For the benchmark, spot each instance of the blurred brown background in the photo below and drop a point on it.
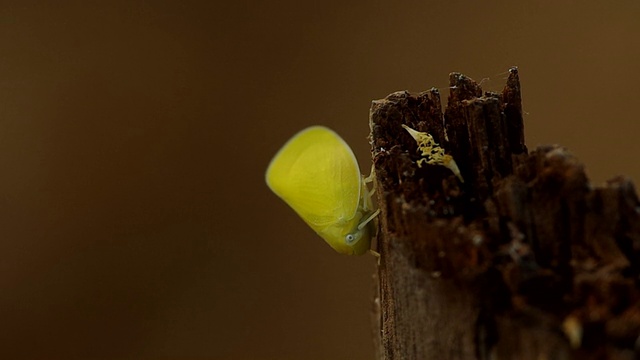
(134, 137)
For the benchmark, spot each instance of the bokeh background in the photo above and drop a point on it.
(134, 135)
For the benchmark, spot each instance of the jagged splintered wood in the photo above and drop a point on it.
(524, 260)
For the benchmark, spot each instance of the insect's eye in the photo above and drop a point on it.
(353, 238)
(350, 238)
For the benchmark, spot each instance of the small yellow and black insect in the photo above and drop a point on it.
(432, 153)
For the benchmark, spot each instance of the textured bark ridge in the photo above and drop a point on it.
(524, 260)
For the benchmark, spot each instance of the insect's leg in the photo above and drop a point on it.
(372, 173)
(367, 220)
(368, 194)
(374, 250)
(376, 254)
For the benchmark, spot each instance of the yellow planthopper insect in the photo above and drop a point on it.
(318, 176)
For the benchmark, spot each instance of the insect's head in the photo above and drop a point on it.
(353, 237)
(358, 238)
(347, 238)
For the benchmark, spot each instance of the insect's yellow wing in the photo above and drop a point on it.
(317, 174)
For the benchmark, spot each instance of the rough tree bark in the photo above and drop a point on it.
(524, 260)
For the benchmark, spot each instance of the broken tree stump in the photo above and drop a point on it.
(524, 260)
